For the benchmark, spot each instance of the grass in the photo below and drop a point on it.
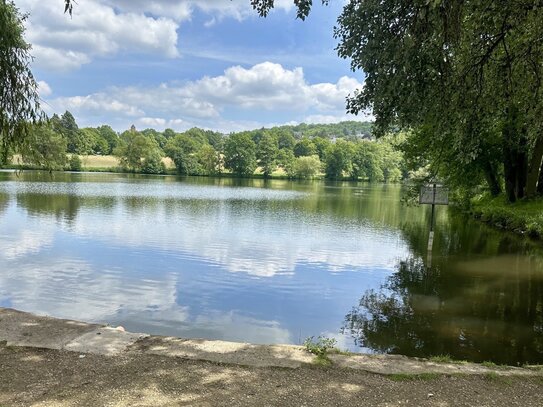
(495, 377)
(492, 365)
(405, 377)
(322, 361)
(446, 359)
(524, 216)
(110, 161)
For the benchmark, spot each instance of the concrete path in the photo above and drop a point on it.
(21, 329)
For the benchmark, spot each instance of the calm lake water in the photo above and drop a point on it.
(268, 262)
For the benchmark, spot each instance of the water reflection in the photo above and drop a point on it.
(482, 299)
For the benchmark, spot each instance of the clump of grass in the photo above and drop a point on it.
(320, 348)
(495, 377)
(404, 377)
(446, 359)
(492, 365)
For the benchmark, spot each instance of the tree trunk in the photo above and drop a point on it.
(540, 183)
(509, 171)
(522, 167)
(533, 178)
(491, 179)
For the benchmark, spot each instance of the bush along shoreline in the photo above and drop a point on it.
(524, 217)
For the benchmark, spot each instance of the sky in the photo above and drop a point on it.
(178, 64)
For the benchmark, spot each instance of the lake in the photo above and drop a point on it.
(268, 262)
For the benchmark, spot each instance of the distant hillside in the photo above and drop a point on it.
(347, 129)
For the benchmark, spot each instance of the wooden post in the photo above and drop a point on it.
(431, 236)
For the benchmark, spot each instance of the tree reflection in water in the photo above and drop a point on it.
(472, 307)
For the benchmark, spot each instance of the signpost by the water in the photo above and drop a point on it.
(433, 195)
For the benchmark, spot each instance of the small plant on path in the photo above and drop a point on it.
(320, 346)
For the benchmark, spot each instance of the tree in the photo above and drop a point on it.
(110, 136)
(19, 100)
(306, 167)
(464, 77)
(286, 159)
(367, 161)
(138, 153)
(321, 144)
(267, 153)
(338, 159)
(78, 141)
(240, 154)
(182, 150)
(304, 147)
(209, 160)
(46, 149)
(285, 139)
(98, 144)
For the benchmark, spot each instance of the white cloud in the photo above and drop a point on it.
(264, 87)
(183, 9)
(96, 30)
(102, 28)
(44, 89)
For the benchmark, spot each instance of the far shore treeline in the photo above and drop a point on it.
(343, 150)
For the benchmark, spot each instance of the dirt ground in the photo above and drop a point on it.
(42, 377)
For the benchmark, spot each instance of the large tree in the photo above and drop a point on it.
(240, 154)
(463, 76)
(19, 101)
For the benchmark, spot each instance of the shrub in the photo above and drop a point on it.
(75, 163)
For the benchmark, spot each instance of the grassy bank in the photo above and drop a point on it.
(523, 217)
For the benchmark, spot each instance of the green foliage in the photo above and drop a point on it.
(182, 150)
(138, 152)
(111, 137)
(267, 153)
(320, 346)
(321, 144)
(460, 72)
(306, 167)
(304, 147)
(75, 164)
(209, 160)
(285, 139)
(240, 154)
(78, 142)
(338, 159)
(47, 149)
(286, 159)
(152, 163)
(19, 99)
(524, 216)
(367, 162)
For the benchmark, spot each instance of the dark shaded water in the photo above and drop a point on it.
(268, 262)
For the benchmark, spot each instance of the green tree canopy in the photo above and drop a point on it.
(268, 149)
(19, 100)
(182, 150)
(240, 154)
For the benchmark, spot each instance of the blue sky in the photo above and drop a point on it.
(172, 63)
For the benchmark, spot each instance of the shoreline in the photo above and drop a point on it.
(26, 330)
(50, 362)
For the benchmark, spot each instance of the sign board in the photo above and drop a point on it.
(437, 195)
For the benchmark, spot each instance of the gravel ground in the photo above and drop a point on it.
(39, 377)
